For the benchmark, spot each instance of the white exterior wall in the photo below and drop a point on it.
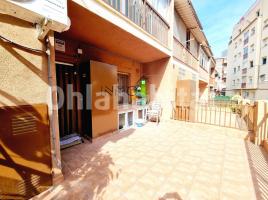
(220, 69)
(264, 48)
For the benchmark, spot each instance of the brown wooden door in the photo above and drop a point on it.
(185, 100)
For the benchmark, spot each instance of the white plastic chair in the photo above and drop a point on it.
(154, 111)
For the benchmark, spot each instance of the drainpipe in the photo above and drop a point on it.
(258, 48)
(55, 162)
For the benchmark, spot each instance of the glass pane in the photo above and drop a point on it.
(123, 86)
(140, 114)
(122, 121)
(130, 118)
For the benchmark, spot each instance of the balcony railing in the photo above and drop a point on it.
(184, 55)
(144, 15)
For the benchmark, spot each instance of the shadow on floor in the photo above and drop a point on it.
(171, 195)
(88, 169)
(258, 163)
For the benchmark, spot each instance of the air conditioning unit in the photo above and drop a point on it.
(35, 11)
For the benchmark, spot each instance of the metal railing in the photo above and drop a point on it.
(184, 55)
(228, 114)
(144, 15)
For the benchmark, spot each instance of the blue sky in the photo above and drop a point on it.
(218, 18)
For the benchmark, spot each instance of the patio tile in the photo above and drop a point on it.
(174, 160)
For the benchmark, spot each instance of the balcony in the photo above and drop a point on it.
(145, 16)
(184, 55)
(100, 25)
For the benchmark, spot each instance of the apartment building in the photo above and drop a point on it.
(247, 54)
(220, 76)
(119, 48)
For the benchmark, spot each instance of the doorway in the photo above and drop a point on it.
(74, 113)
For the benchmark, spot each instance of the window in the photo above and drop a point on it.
(238, 81)
(188, 38)
(233, 82)
(235, 45)
(246, 37)
(264, 60)
(252, 48)
(253, 30)
(162, 6)
(265, 42)
(258, 13)
(122, 121)
(123, 87)
(262, 77)
(246, 94)
(250, 80)
(182, 74)
(238, 68)
(251, 64)
(234, 70)
(245, 56)
(265, 24)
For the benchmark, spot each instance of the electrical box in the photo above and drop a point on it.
(25, 151)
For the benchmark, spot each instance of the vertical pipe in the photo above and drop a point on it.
(53, 115)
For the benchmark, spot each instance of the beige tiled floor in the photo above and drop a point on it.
(174, 160)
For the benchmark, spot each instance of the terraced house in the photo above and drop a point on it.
(131, 52)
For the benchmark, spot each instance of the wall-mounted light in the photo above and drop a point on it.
(80, 51)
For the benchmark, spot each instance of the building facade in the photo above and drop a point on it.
(192, 55)
(220, 76)
(247, 54)
(131, 53)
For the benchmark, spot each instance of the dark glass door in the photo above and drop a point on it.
(74, 114)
